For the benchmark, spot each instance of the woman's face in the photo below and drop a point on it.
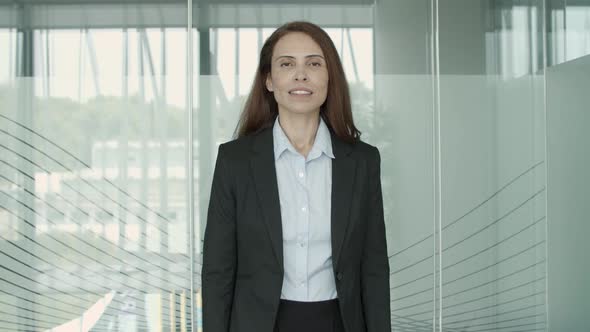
(298, 77)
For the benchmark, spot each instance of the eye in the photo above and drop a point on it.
(285, 64)
(316, 64)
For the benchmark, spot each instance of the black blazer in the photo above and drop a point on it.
(242, 271)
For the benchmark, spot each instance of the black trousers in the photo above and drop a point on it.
(322, 316)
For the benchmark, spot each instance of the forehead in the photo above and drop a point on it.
(296, 43)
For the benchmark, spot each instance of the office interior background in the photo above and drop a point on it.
(111, 113)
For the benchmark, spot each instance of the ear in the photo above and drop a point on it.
(268, 83)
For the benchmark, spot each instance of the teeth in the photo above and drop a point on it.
(299, 92)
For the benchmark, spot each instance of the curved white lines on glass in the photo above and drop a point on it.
(88, 319)
(414, 314)
(493, 162)
(92, 177)
(69, 232)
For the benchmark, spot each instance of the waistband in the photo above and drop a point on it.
(309, 305)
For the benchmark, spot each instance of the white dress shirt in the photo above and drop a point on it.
(305, 190)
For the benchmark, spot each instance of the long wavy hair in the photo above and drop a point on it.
(261, 108)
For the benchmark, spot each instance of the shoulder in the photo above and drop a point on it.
(370, 157)
(236, 149)
(366, 151)
(241, 148)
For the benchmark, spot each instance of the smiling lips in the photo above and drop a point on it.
(300, 92)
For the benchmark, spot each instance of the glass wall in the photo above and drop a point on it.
(478, 107)
(404, 132)
(568, 161)
(93, 198)
(493, 166)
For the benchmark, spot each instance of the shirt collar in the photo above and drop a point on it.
(321, 144)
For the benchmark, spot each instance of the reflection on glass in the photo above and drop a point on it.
(568, 30)
(578, 31)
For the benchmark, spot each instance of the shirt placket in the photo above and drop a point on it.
(302, 225)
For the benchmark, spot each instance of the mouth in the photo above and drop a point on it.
(300, 92)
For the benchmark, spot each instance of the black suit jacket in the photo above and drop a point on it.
(242, 271)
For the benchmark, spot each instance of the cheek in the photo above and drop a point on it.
(277, 79)
(323, 80)
(323, 90)
(279, 83)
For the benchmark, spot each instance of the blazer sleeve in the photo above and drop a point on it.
(375, 262)
(219, 250)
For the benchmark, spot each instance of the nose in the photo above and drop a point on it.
(301, 75)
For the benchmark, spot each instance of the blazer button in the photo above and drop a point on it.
(339, 276)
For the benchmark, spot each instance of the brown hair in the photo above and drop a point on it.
(261, 107)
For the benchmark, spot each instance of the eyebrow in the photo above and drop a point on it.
(307, 56)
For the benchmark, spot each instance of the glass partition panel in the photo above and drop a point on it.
(493, 165)
(404, 134)
(568, 161)
(92, 168)
(228, 56)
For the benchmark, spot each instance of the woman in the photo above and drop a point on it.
(295, 236)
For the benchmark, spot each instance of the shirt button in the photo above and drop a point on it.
(300, 174)
(302, 244)
(304, 209)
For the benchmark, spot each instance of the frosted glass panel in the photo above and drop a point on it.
(568, 163)
(404, 99)
(405, 140)
(493, 167)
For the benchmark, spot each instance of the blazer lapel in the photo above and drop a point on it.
(262, 165)
(343, 174)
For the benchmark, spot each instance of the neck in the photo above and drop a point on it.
(301, 129)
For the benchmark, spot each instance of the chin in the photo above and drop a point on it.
(302, 110)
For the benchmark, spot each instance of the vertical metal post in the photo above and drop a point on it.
(437, 167)
(25, 84)
(190, 169)
(163, 147)
(123, 144)
(546, 14)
